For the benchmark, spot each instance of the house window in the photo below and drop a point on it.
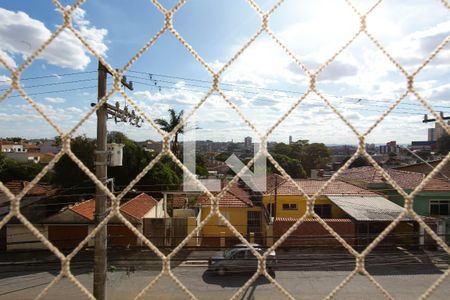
(439, 207)
(323, 210)
(289, 206)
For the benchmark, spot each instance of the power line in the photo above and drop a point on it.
(153, 84)
(56, 91)
(155, 80)
(53, 76)
(255, 87)
(55, 83)
(404, 110)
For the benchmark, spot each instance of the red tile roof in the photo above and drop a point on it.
(139, 206)
(235, 197)
(425, 168)
(310, 187)
(32, 147)
(272, 181)
(85, 209)
(437, 185)
(16, 186)
(136, 207)
(406, 180)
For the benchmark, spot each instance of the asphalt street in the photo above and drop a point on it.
(304, 275)
(301, 284)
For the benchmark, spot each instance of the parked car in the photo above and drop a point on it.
(239, 258)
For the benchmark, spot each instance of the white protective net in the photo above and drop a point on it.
(363, 29)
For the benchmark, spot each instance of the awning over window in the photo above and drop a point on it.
(368, 208)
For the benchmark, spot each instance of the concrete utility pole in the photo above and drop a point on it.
(101, 171)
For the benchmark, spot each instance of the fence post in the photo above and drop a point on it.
(222, 239)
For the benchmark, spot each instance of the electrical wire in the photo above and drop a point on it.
(153, 83)
(55, 83)
(53, 76)
(56, 91)
(252, 87)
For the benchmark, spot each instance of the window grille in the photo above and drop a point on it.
(290, 206)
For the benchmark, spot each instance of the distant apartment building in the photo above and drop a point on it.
(431, 135)
(436, 133)
(390, 147)
(423, 145)
(248, 142)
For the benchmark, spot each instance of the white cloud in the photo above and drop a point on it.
(22, 35)
(55, 99)
(74, 110)
(7, 59)
(415, 47)
(4, 80)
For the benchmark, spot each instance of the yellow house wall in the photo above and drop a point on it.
(236, 216)
(336, 212)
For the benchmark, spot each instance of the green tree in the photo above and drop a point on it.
(443, 144)
(282, 148)
(19, 170)
(315, 156)
(292, 166)
(58, 141)
(134, 160)
(67, 173)
(169, 125)
(223, 156)
(200, 165)
(310, 156)
(15, 139)
(359, 162)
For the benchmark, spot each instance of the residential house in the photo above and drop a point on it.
(8, 147)
(426, 168)
(70, 226)
(432, 201)
(32, 207)
(357, 214)
(32, 147)
(236, 206)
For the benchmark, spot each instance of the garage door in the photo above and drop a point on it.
(66, 236)
(121, 236)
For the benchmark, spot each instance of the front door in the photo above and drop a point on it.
(254, 225)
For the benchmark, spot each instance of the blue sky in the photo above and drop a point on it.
(263, 82)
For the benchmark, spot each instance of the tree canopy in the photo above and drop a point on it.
(360, 161)
(19, 170)
(299, 158)
(443, 145)
(171, 124)
(135, 159)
